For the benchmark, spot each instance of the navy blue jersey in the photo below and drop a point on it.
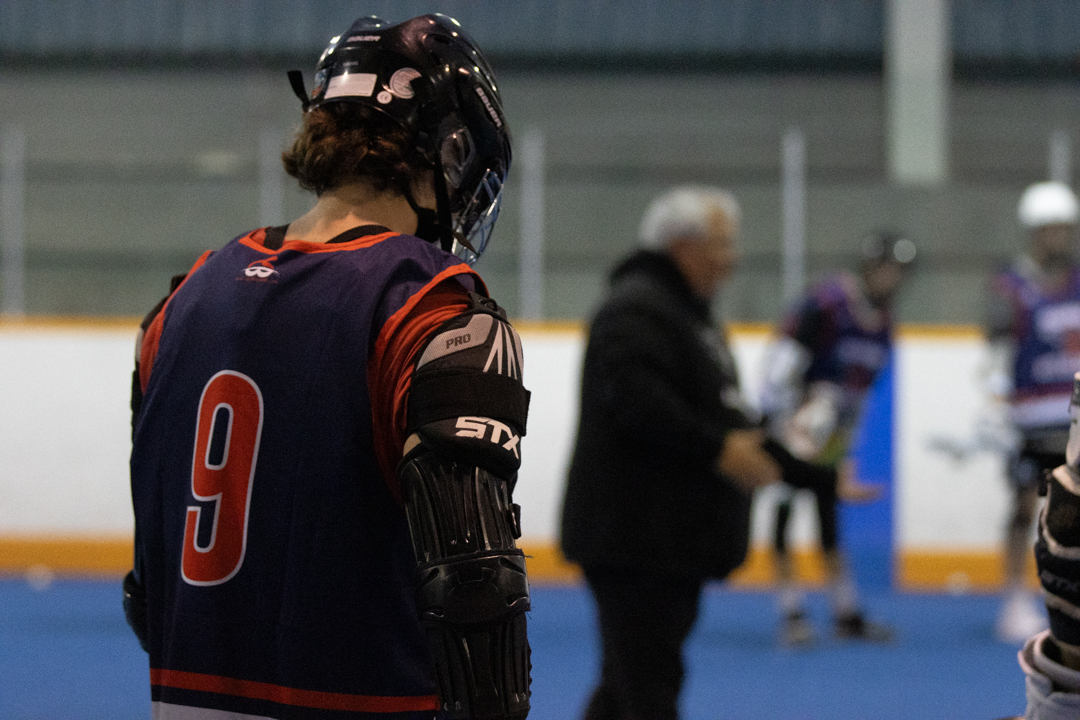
(1045, 327)
(275, 556)
(849, 341)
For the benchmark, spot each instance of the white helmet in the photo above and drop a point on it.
(1048, 203)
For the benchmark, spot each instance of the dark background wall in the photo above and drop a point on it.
(142, 122)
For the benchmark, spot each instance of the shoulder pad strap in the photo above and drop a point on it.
(448, 395)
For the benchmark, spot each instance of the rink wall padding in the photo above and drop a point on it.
(65, 441)
(70, 556)
(915, 569)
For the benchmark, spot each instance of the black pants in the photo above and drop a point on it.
(828, 524)
(826, 502)
(644, 620)
(819, 479)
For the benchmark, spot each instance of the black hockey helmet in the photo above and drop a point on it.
(430, 77)
(887, 247)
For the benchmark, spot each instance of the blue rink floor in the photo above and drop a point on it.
(66, 654)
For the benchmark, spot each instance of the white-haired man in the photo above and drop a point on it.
(1034, 333)
(666, 459)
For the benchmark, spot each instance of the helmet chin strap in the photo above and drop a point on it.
(442, 207)
(427, 224)
(437, 225)
(296, 80)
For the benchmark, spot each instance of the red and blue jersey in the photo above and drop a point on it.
(849, 340)
(1043, 324)
(270, 539)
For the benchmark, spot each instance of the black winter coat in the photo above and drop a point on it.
(658, 395)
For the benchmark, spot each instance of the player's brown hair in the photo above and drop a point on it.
(343, 142)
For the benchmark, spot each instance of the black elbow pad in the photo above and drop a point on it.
(467, 401)
(468, 407)
(472, 591)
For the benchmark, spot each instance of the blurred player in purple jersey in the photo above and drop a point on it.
(832, 347)
(1034, 333)
(327, 419)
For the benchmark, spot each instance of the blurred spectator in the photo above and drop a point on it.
(667, 456)
(1034, 333)
(832, 347)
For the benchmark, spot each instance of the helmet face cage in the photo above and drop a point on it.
(426, 74)
(474, 224)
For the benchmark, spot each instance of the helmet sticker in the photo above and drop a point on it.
(401, 83)
(351, 84)
(491, 111)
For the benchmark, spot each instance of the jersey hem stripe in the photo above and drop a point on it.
(315, 699)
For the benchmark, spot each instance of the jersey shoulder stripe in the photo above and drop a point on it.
(393, 323)
(152, 338)
(254, 240)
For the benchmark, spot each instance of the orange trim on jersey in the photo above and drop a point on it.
(391, 363)
(316, 699)
(395, 320)
(255, 239)
(152, 337)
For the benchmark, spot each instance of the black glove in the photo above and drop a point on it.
(798, 473)
(135, 607)
(1057, 553)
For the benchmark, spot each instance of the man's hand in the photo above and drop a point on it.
(744, 462)
(849, 489)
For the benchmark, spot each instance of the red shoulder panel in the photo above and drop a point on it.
(391, 363)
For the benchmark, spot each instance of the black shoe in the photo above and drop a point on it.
(605, 705)
(796, 630)
(853, 626)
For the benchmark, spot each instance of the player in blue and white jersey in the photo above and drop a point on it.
(1034, 333)
(327, 419)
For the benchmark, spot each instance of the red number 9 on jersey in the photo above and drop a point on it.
(226, 449)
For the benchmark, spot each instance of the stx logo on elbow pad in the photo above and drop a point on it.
(476, 427)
